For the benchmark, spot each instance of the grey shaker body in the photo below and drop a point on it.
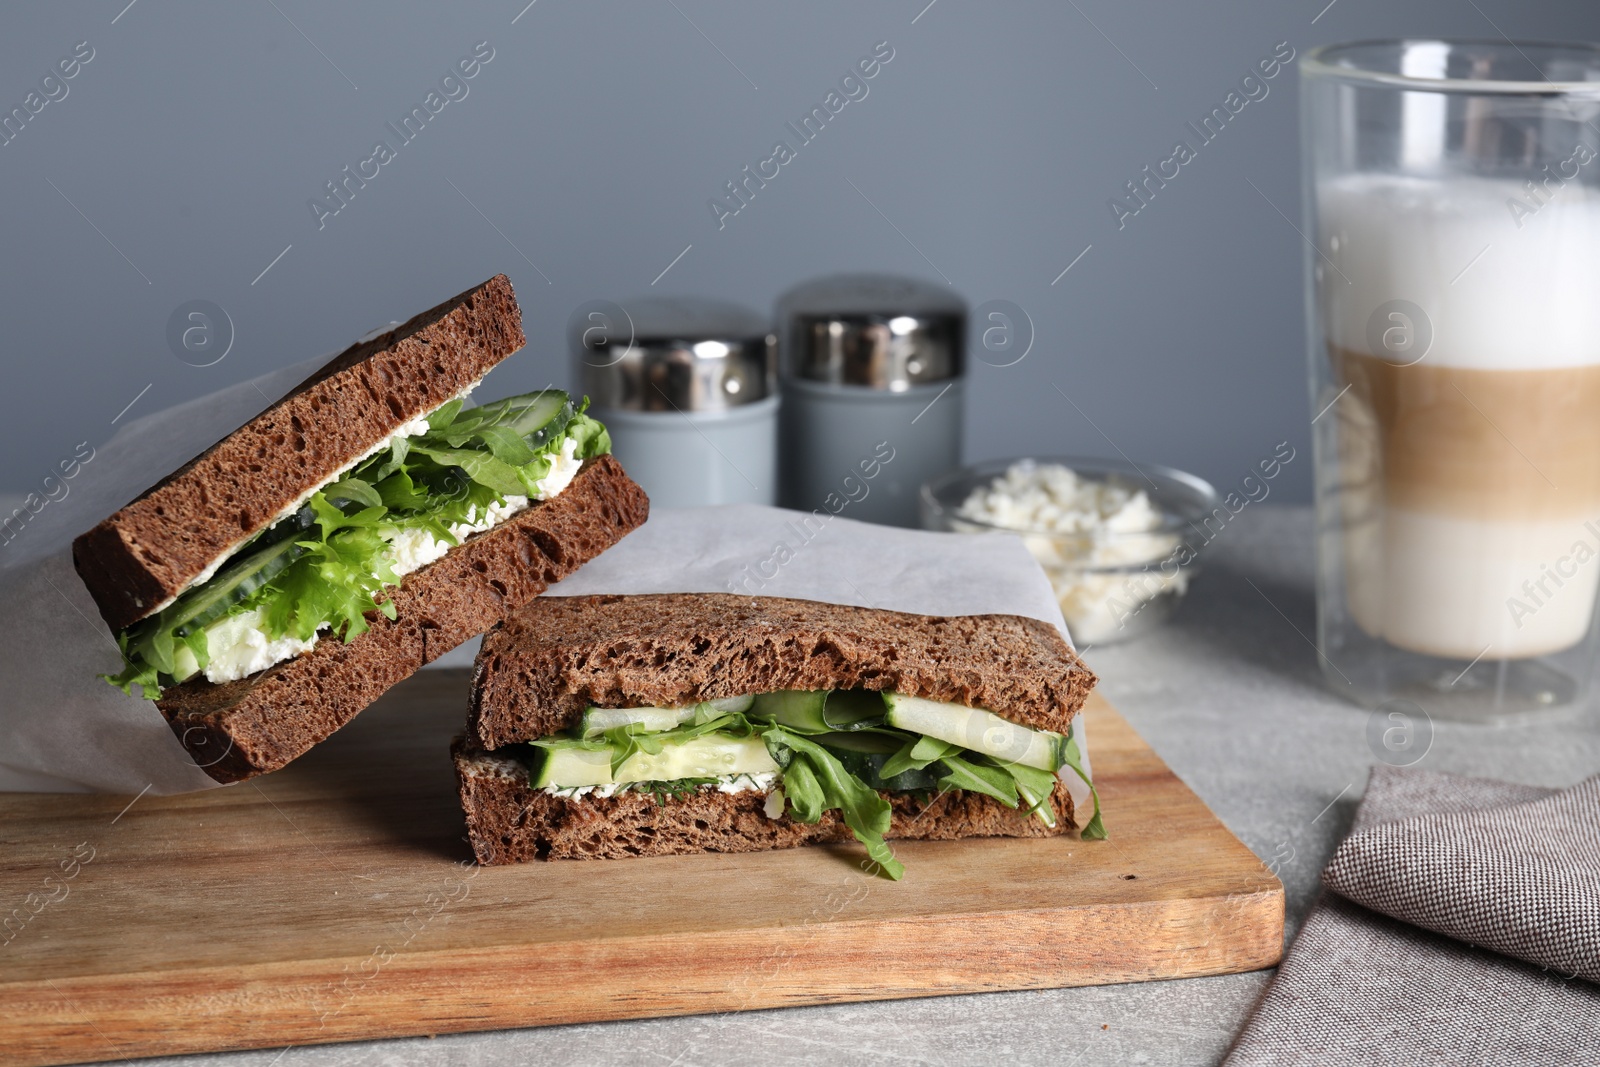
(867, 448)
(690, 459)
(688, 389)
(872, 373)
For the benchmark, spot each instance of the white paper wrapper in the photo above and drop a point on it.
(63, 729)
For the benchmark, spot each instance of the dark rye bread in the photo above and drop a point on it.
(538, 670)
(149, 551)
(236, 730)
(509, 821)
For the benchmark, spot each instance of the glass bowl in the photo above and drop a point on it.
(1112, 584)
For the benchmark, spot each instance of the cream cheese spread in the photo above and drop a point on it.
(238, 647)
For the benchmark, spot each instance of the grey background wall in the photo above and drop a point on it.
(180, 162)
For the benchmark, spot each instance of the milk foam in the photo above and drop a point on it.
(1529, 301)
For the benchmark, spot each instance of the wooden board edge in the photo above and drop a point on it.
(445, 991)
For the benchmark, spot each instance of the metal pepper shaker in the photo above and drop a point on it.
(872, 380)
(688, 389)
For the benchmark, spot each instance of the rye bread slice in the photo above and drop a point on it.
(509, 821)
(539, 669)
(236, 730)
(146, 554)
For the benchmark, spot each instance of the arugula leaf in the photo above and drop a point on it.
(637, 737)
(806, 798)
(398, 492)
(161, 651)
(506, 445)
(865, 810)
(630, 739)
(917, 753)
(392, 461)
(1094, 829)
(1034, 787)
(481, 467)
(352, 489)
(979, 778)
(441, 419)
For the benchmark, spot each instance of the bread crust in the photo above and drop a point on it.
(150, 550)
(509, 821)
(236, 730)
(539, 669)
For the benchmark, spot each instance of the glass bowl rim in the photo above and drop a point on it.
(1093, 468)
(1318, 63)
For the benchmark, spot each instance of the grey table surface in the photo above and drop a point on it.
(1229, 693)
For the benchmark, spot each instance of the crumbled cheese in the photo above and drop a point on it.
(564, 466)
(730, 783)
(415, 428)
(237, 647)
(414, 548)
(774, 805)
(1093, 539)
(738, 783)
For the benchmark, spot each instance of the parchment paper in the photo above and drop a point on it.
(63, 729)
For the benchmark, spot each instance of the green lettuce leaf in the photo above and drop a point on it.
(468, 460)
(593, 438)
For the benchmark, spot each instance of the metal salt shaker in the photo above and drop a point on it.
(872, 380)
(688, 390)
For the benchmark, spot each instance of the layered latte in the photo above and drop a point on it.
(1465, 352)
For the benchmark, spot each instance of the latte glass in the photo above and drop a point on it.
(1452, 210)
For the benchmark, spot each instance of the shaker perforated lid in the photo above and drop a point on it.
(673, 354)
(874, 330)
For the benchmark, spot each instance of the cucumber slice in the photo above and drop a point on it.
(853, 709)
(539, 418)
(860, 741)
(813, 710)
(710, 756)
(798, 709)
(1042, 811)
(977, 730)
(599, 720)
(863, 754)
(184, 664)
(542, 416)
(213, 599)
(566, 768)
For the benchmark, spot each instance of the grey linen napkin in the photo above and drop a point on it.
(1509, 867)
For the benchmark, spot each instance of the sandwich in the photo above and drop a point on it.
(615, 726)
(360, 527)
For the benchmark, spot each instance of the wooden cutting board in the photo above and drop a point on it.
(336, 900)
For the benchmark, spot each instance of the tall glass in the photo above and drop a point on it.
(1452, 189)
